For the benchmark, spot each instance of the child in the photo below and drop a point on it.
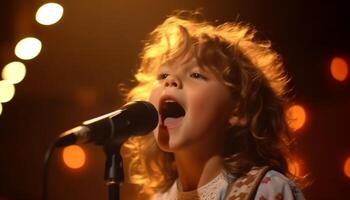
(222, 132)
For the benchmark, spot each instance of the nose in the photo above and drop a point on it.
(172, 81)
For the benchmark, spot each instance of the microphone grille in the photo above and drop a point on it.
(143, 117)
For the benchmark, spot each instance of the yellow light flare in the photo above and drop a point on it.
(28, 48)
(7, 91)
(0, 108)
(74, 156)
(296, 117)
(347, 167)
(339, 69)
(14, 72)
(294, 168)
(49, 13)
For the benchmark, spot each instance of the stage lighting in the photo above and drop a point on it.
(294, 167)
(339, 69)
(347, 167)
(49, 13)
(296, 117)
(74, 156)
(7, 91)
(28, 48)
(14, 72)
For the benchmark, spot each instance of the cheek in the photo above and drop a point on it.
(212, 107)
(155, 95)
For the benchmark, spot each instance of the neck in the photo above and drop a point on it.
(197, 169)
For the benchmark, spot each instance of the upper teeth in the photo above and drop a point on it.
(169, 101)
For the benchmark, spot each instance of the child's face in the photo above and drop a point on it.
(194, 106)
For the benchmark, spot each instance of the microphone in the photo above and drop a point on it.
(135, 118)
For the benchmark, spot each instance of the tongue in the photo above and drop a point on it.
(171, 122)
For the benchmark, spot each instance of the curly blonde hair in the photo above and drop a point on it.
(249, 67)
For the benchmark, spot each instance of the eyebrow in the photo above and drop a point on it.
(186, 67)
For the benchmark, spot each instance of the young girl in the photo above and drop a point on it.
(222, 131)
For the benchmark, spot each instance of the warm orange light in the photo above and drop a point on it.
(86, 96)
(347, 167)
(296, 117)
(74, 156)
(339, 69)
(294, 168)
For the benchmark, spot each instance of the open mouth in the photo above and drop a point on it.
(170, 110)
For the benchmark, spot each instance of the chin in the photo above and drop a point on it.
(165, 148)
(162, 140)
(166, 144)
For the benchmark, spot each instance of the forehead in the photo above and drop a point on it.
(182, 63)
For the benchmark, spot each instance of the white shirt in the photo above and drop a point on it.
(274, 185)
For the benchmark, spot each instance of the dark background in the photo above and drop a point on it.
(94, 48)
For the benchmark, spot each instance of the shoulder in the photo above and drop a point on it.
(275, 185)
(170, 194)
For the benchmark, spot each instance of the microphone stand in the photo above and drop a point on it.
(114, 174)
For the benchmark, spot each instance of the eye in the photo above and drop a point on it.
(197, 75)
(162, 76)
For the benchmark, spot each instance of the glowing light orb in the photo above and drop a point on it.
(0, 108)
(339, 69)
(49, 13)
(294, 168)
(296, 117)
(7, 91)
(74, 156)
(14, 72)
(28, 48)
(347, 167)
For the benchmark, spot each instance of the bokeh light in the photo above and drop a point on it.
(7, 91)
(86, 96)
(14, 72)
(294, 167)
(339, 69)
(28, 48)
(347, 167)
(49, 13)
(74, 156)
(296, 117)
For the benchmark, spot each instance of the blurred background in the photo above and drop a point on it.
(56, 76)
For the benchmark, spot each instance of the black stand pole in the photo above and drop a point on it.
(114, 175)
